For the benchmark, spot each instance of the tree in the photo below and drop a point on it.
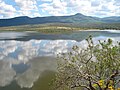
(96, 67)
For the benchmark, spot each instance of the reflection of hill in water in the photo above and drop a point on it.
(75, 35)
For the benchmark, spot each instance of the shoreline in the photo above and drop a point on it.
(108, 30)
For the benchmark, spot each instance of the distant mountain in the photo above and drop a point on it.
(76, 19)
(113, 19)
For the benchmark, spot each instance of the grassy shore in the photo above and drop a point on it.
(43, 28)
(50, 28)
(46, 28)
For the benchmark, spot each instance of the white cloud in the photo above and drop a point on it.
(95, 3)
(22, 8)
(117, 2)
(27, 7)
(56, 8)
(7, 7)
(1, 1)
(35, 8)
(88, 7)
(26, 4)
(6, 10)
(99, 8)
(45, 0)
(71, 3)
(36, 14)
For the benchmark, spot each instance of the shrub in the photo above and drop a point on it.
(96, 67)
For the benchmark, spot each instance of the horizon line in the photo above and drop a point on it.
(59, 16)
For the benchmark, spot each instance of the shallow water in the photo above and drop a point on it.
(28, 59)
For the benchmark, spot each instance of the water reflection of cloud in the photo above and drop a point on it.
(37, 67)
(16, 52)
(23, 51)
(6, 73)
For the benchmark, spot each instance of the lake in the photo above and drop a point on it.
(28, 59)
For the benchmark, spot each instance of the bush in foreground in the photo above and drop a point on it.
(96, 67)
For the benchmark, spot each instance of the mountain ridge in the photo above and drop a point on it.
(76, 19)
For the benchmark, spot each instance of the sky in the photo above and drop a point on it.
(41, 8)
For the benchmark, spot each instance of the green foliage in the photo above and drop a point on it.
(96, 67)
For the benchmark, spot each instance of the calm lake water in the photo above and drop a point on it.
(28, 59)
